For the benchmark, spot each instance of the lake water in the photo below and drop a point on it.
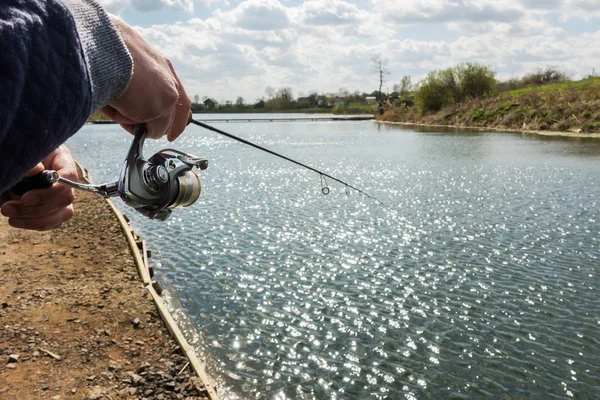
(479, 279)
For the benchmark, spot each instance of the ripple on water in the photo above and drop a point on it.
(479, 281)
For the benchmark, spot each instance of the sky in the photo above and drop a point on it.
(228, 49)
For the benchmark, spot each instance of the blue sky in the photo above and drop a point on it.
(226, 49)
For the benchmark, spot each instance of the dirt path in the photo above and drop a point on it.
(76, 321)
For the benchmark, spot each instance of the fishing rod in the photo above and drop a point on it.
(324, 188)
(155, 186)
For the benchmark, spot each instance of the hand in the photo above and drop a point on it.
(155, 95)
(45, 209)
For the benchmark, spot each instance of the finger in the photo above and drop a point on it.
(182, 113)
(9, 195)
(112, 113)
(36, 170)
(28, 210)
(48, 222)
(162, 125)
(56, 196)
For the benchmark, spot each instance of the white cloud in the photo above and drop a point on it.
(442, 11)
(329, 12)
(262, 15)
(118, 6)
(323, 45)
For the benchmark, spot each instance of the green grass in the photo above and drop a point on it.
(568, 106)
(585, 84)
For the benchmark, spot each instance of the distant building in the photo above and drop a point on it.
(370, 99)
(211, 104)
(335, 99)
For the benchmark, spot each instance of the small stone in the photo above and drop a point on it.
(74, 390)
(91, 377)
(136, 323)
(57, 397)
(13, 358)
(11, 366)
(113, 366)
(135, 378)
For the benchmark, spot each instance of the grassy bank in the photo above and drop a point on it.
(565, 107)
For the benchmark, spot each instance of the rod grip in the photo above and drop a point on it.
(39, 181)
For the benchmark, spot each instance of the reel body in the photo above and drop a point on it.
(161, 183)
(154, 186)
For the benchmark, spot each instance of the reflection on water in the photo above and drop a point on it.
(479, 280)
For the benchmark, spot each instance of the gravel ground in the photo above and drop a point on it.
(76, 321)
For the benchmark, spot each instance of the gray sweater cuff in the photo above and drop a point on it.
(109, 63)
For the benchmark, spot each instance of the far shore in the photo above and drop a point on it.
(461, 127)
(495, 129)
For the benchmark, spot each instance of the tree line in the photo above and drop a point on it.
(435, 91)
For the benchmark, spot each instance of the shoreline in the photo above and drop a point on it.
(495, 129)
(81, 319)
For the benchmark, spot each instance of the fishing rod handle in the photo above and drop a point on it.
(40, 181)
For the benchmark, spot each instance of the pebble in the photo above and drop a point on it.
(135, 378)
(13, 358)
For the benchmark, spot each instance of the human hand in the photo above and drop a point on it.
(44, 209)
(155, 95)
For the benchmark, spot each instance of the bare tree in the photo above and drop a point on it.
(270, 92)
(379, 66)
(196, 99)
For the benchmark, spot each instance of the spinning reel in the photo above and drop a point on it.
(154, 187)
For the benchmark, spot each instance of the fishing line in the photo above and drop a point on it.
(323, 175)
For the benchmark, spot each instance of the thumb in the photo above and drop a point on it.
(36, 170)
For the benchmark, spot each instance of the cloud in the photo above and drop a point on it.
(242, 47)
(443, 11)
(261, 15)
(329, 12)
(118, 6)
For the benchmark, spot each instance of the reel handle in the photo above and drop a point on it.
(39, 181)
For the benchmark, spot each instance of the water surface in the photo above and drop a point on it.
(480, 279)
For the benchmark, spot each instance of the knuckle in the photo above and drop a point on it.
(69, 213)
(69, 197)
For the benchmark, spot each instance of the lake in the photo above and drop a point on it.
(479, 278)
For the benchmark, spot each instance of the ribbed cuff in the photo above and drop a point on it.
(109, 63)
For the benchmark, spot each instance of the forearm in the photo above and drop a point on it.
(59, 61)
(45, 87)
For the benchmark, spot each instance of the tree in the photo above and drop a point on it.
(379, 66)
(239, 101)
(196, 99)
(405, 88)
(270, 92)
(283, 99)
(454, 85)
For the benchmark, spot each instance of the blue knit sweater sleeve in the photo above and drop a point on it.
(51, 77)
